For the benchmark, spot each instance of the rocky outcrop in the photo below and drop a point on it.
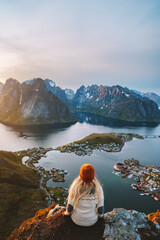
(119, 224)
(155, 218)
(69, 93)
(115, 102)
(31, 103)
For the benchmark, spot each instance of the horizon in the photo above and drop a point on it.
(82, 43)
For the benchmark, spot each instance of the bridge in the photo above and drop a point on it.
(151, 136)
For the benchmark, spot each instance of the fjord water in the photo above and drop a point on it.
(118, 192)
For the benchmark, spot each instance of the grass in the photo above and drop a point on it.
(101, 138)
(20, 196)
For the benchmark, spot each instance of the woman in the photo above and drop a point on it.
(85, 199)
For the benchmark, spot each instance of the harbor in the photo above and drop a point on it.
(147, 177)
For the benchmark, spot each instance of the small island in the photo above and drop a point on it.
(108, 142)
(148, 177)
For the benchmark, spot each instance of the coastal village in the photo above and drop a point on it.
(30, 158)
(109, 142)
(147, 177)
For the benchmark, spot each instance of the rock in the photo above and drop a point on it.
(119, 224)
(106, 230)
(52, 224)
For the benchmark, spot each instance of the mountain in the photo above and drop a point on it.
(65, 95)
(150, 95)
(116, 102)
(38, 101)
(31, 103)
(1, 86)
(51, 86)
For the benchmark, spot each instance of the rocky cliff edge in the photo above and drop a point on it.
(119, 224)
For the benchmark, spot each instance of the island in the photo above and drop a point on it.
(108, 142)
(147, 177)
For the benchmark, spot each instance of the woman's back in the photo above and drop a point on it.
(85, 213)
(85, 200)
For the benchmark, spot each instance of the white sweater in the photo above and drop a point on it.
(87, 210)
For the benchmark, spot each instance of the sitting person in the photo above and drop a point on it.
(85, 199)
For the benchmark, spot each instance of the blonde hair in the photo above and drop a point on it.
(80, 189)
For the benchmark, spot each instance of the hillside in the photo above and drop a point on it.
(32, 104)
(20, 196)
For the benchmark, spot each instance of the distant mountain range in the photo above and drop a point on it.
(40, 101)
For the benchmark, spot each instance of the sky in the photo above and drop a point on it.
(86, 42)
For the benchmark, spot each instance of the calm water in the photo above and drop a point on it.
(118, 192)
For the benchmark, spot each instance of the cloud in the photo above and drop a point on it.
(81, 42)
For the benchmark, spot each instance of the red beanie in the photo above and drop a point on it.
(87, 173)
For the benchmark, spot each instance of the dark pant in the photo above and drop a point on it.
(70, 231)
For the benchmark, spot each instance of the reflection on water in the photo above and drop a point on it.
(111, 122)
(23, 137)
(118, 192)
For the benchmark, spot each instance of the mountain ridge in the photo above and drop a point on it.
(114, 102)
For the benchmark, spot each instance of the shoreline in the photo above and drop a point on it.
(83, 147)
(147, 176)
(57, 175)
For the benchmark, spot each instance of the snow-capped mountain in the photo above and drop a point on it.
(116, 102)
(69, 93)
(41, 101)
(153, 96)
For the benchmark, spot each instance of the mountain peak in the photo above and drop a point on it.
(50, 82)
(11, 81)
